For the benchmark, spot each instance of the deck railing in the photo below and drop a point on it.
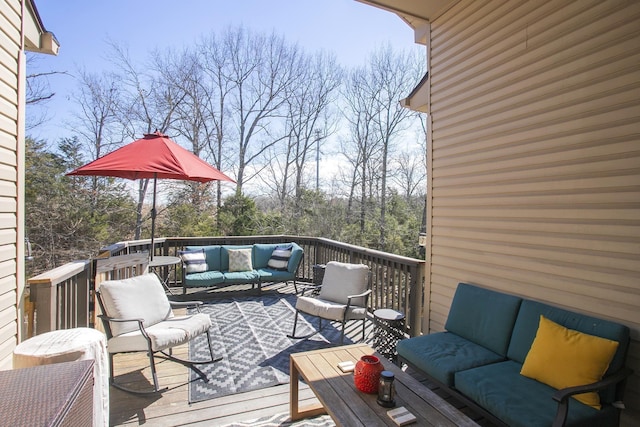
(63, 297)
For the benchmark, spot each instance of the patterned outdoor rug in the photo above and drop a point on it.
(281, 420)
(250, 334)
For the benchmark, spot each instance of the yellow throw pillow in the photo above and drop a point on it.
(561, 357)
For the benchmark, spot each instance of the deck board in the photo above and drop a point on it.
(171, 408)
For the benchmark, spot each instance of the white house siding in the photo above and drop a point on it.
(536, 157)
(10, 57)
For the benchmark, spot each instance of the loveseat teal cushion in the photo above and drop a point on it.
(522, 402)
(212, 254)
(526, 326)
(442, 354)
(483, 316)
(528, 320)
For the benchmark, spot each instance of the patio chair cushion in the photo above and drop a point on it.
(328, 309)
(122, 301)
(562, 357)
(352, 280)
(166, 334)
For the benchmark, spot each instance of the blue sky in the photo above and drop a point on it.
(347, 28)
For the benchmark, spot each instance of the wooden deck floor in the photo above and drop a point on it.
(171, 408)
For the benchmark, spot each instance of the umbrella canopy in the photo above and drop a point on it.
(154, 156)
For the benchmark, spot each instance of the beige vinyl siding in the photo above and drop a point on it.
(535, 177)
(9, 60)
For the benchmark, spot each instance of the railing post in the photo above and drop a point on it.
(82, 289)
(44, 296)
(416, 298)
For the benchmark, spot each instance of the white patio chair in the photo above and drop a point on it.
(343, 297)
(138, 316)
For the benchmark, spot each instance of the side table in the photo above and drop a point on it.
(388, 330)
(158, 263)
(318, 273)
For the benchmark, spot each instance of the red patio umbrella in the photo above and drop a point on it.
(154, 156)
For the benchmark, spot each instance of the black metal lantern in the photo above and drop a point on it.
(386, 390)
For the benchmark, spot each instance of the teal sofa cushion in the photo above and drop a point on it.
(204, 279)
(526, 327)
(522, 402)
(212, 254)
(224, 255)
(528, 319)
(483, 316)
(269, 275)
(442, 354)
(241, 277)
(262, 253)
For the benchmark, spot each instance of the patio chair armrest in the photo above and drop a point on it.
(313, 288)
(113, 319)
(364, 294)
(562, 396)
(186, 304)
(178, 304)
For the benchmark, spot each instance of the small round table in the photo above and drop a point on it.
(388, 330)
(159, 262)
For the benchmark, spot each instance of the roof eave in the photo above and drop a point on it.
(36, 37)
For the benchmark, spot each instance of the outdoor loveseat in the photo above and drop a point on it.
(513, 358)
(221, 265)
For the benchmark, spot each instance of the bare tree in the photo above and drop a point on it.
(260, 68)
(393, 76)
(95, 121)
(376, 120)
(361, 108)
(215, 60)
(309, 119)
(410, 173)
(184, 72)
(148, 102)
(38, 92)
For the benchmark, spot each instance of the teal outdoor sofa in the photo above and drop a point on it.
(489, 336)
(264, 266)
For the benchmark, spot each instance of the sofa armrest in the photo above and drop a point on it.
(562, 396)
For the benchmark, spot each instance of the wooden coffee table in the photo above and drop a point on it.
(350, 407)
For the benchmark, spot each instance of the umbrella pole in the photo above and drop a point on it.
(153, 215)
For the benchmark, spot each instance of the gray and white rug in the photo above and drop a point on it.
(250, 334)
(282, 420)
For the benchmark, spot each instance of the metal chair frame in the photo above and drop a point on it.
(106, 322)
